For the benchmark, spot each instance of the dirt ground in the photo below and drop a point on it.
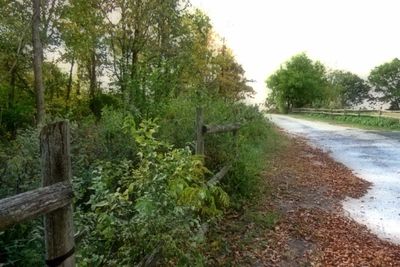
(298, 220)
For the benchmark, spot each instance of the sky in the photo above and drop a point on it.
(352, 35)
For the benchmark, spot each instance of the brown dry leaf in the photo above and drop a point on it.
(307, 189)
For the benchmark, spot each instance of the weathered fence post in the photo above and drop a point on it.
(199, 131)
(56, 167)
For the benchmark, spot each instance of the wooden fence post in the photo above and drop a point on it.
(56, 167)
(199, 131)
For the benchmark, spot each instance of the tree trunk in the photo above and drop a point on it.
(79, 78)
(69, 86)
(37, 63)
(92, 75)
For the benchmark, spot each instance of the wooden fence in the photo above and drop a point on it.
(350, 112)
(202, 130)
(53, 200)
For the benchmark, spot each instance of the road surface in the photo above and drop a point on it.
(373, 156)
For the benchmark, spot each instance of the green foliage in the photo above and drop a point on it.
(22, 244)
(101, 101)
(385, 80)
(298, 83)
(155, 51)
(20, 163)
(134, 208)
(349, 89)
(246, 153)
(230, 81)
(134, 191)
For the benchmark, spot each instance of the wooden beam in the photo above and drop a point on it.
(34, 203)
(218, 177)
(213, 129)
(56, 168)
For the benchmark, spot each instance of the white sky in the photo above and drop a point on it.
(354, 35)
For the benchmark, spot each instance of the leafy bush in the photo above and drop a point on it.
(135, 208)
(133, 192)
(246, 153)
(22, 244)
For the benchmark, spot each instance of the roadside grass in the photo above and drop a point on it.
(245, 228)
(363, 122)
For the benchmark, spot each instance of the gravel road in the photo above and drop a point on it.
(373, 156)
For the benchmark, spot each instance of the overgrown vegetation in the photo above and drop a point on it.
(253, 222)
(129, 76)
(135, 192)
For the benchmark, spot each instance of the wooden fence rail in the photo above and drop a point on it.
(351, 112)
(33, 204)
(202, 130)
(53, 200)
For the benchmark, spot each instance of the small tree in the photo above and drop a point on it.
(37, 63)
(298, 83)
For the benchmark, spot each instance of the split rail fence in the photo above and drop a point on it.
(202, 130)
(351, 112)
(53, 199)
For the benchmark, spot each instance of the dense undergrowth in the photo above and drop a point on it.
(138, 185)
(361, 121)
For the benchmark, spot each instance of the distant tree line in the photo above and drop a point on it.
(301, 82)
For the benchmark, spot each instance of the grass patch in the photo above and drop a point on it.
(363, 122)
(243, 230)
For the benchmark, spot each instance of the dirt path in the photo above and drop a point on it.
(374, 156)
(300, 221)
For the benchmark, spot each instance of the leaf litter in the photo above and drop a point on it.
(299, 219)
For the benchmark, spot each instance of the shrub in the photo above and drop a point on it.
(247, 154)
(134, 208)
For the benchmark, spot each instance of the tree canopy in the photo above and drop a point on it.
(297, 83)
(385, 80)
(135, 53)
(349, 88)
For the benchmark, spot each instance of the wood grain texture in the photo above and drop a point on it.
(56, 167)
(34, 203)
